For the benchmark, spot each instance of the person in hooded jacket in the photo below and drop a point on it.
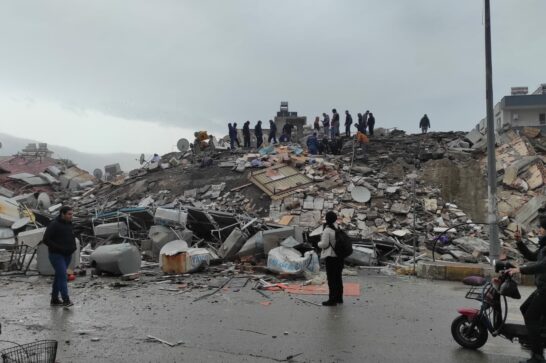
(259, 134)
(313, 144)
(534, 308)
(334, 264)
(246, 135)
(272, 132)
(61, 244)
(348, 123)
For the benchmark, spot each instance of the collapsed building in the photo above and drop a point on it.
(402, 199)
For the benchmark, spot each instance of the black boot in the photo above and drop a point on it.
(329, 303)
(56, 302)
(67, 302)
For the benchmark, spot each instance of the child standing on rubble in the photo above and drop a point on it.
(334, 264)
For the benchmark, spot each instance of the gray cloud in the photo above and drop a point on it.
(204, 63)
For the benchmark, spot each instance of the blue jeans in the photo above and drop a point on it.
(60, 264)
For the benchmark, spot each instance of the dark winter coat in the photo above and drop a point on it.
(59, 237)
(538, 265)
(246, 129)
(272, 128)
(348, 120)
(258, 130)
(425, 122)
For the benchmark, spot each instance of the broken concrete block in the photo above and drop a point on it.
(31, 238)
(431, 205)
(463, 256)
(232, 244)
(472, 244)
(527, 214)
(116, 259)
(400, 208)
(160, 236)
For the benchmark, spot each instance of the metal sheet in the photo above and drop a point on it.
(279, 181)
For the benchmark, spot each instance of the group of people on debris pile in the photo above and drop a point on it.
(286, 135)
(326, 133)
(331, 129)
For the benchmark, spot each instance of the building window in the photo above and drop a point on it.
(542, 118)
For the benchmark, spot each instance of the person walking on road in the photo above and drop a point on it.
(334, 264)
(246, 135)
(259, 134)
(371, 123)
(326, 124)
(272, 132)
(424, 124)
(534, 308)
(348, 123)
(61, 244)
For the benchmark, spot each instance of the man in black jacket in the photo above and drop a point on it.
(246, 135)
(534, 308)
(371, 123)
(61, 243)
(259, 134)
(348, 123)
(272, 132)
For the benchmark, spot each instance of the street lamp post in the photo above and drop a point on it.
(494, 243)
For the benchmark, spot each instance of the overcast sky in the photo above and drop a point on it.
(136, 75)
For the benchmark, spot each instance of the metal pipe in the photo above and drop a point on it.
(494, 243)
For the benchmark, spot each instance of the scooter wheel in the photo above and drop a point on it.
(466, 337)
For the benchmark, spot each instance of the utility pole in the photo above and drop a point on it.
(494, 243)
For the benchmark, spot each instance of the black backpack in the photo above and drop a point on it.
(344, 246)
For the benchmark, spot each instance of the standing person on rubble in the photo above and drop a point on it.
(359, 122)
(371, 123)
(259, 134)
(272, 132)
(335, 123)
(365, 121)
(287, 130)
(424, 124)
(236, 134)
(326, 124)
(334, 264)
(316, 125)
(61, 244)
(348, 123)
(246, 135)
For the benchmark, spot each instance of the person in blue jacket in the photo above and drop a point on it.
(313, 144)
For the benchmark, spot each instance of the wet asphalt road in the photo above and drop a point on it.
(396, 319)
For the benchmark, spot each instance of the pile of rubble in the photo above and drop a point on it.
(263, 210)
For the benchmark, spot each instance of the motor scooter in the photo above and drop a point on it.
(472, 327)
